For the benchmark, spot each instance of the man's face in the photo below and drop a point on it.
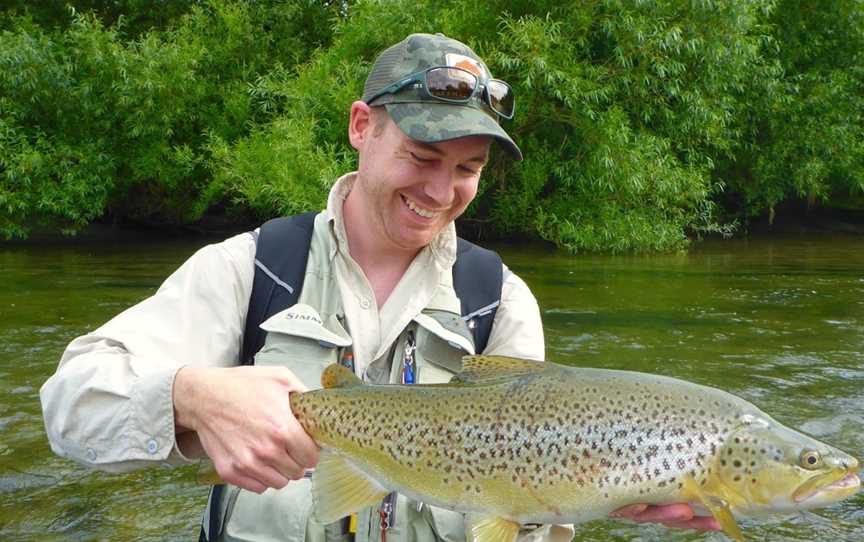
(410, 190)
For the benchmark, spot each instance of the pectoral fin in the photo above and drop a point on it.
(339, 488)
(494, 530)
(719, 508)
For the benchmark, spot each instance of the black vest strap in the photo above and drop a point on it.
(477, 278)
(280, 266)
(281, 255)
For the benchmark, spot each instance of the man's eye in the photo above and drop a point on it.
(420, 158)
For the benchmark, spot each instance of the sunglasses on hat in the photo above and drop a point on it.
(456, 85)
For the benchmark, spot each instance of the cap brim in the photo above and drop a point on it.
(435, 122)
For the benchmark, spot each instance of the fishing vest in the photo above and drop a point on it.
(295, 319)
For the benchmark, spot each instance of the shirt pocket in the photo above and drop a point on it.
(300, 339)
(442, 340)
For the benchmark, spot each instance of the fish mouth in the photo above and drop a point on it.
(828, 487)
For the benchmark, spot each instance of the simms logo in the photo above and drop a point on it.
(303, 317)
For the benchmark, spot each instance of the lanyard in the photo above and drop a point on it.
(409, 360)
(387, 511)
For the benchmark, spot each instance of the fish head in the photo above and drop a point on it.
(771, 468)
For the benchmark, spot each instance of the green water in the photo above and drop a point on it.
(779, 322)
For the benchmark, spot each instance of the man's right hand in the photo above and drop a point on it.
(243, 420)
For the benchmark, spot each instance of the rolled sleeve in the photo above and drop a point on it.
(110, 405)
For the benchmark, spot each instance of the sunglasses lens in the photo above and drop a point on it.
(450, 83)
(501, 97)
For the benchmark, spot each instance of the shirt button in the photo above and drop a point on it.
(152, 446)
(364, 303)
(91, 454)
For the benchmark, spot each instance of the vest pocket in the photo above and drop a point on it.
(442, 340)
(300, 339)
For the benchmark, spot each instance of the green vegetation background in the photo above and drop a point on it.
(642, 122)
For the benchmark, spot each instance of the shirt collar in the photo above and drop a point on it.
(442, 248)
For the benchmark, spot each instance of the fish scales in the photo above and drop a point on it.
(526, 442)
(541, 439)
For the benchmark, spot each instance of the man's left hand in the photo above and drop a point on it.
(675, 516)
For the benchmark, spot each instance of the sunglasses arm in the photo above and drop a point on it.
(393, 88)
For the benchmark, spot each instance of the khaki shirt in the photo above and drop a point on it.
(109, 405)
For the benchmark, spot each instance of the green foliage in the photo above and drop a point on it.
(625, 104)
(805, 131)
(621, 108)
(121, 120)
(135, 16)
(635, 116)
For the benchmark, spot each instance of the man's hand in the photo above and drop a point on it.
(675, 516)
(243, 420)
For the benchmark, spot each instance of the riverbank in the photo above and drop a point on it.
(788, 221)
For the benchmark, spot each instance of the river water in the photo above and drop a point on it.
(779, 322)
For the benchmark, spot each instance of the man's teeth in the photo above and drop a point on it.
(419, 210)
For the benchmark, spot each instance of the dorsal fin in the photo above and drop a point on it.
(481, 368)
(337, 376)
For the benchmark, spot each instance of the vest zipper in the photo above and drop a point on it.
(387, 511)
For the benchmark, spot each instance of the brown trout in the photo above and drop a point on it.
(512, 442)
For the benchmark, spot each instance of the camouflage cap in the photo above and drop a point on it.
(427, 119)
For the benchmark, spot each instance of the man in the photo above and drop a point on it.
(160, 381)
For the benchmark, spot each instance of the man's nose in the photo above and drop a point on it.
(439, 186)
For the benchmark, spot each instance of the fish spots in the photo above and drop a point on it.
(604, 435)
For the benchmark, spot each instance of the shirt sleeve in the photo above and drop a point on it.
(109, 405)
(517, 330)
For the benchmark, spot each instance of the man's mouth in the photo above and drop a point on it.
(420, 211)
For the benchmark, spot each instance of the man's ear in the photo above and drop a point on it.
(360, 124)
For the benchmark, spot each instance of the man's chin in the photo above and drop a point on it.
(415, 235)
(414, 240)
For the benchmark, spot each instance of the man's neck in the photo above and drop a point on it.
(381, 262)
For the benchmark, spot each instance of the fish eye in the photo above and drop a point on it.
(810, 459)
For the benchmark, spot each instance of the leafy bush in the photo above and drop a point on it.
(97, 122)
(805, 129)
(635, 117)
(620, 108)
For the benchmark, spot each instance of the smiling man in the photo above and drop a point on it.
(206, 365)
